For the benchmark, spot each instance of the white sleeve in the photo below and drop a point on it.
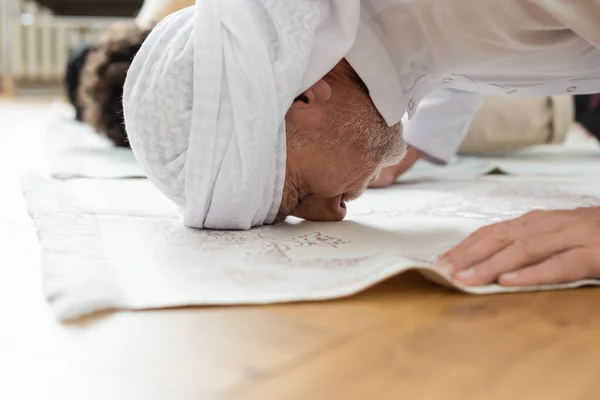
(441, 122)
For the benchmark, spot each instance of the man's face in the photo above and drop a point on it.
(337, 142)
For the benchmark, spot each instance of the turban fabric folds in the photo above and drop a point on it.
(206, 96)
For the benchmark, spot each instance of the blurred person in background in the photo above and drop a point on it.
(587, 113)
(96, 71)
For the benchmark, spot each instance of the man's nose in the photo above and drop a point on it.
(315, 208)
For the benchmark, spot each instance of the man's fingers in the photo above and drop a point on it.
(500, 233)
(568, 266)
(489, 240)
(389, 175)
(386, 178)
(520, 253)
(482, 244)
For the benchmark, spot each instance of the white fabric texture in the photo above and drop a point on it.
(406, 49)
(206, 95)
(74, 150)
(118, 244)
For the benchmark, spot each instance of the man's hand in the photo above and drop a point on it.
(538, 248)
(388, 175)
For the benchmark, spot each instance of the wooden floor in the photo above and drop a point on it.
(404, 339)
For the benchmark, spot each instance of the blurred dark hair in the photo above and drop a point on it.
(103, 74)
(587, 113)
(77, 57)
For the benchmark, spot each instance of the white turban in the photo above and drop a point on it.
(205, 100)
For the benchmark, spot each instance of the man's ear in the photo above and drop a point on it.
(308, 109)
(316, 95)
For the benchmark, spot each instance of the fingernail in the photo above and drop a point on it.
(466, 274)
(510, 276)
(445, 267)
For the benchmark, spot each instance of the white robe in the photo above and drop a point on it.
(441, 57)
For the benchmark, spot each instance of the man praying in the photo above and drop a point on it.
(243, 112)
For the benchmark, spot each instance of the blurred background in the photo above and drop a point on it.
(37, 37)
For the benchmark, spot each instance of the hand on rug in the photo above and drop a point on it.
(538, 248)
(387, 176)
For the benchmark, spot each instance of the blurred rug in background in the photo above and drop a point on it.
(74, 150)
